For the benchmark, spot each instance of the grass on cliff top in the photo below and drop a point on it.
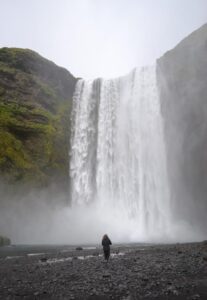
(17, 56)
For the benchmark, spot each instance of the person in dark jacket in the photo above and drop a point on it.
(106, 246)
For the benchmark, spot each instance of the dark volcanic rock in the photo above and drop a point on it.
(43, 259)
(160, 273)
(79, 248)
(182, 77)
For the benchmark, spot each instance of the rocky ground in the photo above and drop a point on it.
(133, 272)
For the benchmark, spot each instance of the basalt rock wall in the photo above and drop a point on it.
(182, 79)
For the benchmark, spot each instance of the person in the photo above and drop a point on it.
(106, 242)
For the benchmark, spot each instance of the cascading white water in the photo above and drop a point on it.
(118, 159)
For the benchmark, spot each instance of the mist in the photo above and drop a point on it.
(38, 218)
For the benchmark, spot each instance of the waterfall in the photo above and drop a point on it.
(118, 159)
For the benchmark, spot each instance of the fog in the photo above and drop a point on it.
(38, 218)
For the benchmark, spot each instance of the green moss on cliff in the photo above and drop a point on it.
(4, 241)
(35, 102)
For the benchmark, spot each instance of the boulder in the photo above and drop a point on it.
(79, 248)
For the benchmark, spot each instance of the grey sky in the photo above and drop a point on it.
(94, 38)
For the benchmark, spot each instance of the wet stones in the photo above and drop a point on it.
(162, 274)
(79, 248)
(106, 275)
(43, 259)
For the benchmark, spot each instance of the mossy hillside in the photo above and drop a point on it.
(33, 144)
(4, 241)
(34, 119)
(25, 61)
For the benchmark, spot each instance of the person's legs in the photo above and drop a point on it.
(106, 254)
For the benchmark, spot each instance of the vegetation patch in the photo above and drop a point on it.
(35, 105)
(4, 241)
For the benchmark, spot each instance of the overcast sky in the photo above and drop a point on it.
(99, 38)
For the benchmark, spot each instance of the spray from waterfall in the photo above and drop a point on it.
(118, 160)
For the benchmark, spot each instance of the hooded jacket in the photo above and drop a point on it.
(106, 243)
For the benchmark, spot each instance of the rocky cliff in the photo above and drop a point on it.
(35, 103)
(182, 77)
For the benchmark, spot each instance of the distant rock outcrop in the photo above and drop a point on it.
(35, 102)
(182, 76)
(4, 241)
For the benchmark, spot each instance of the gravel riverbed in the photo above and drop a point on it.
(176, 271)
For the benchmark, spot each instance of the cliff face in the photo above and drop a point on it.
(35, 103)
(182, 77)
